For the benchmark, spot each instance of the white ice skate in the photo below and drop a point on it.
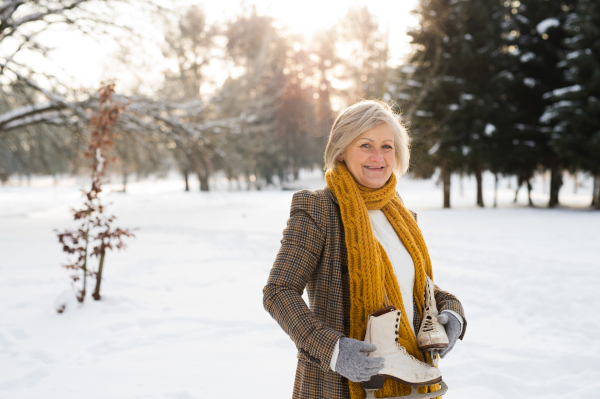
(432, 334)
(399, 365)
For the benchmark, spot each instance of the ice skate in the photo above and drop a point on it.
(432, 334)
(382, 331)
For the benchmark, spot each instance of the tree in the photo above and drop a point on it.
(95, 225)
(539, 47)
(363, 47)
(431, 91)
(42, 120)
(575, 108)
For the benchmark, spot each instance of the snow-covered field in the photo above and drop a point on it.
(182, 317)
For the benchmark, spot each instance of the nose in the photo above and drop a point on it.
(376, 156)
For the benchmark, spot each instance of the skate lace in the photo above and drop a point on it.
(429, 320)
(429, 324)
(411, 357)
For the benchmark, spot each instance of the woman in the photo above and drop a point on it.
(355, 248)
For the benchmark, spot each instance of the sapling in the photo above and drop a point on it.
(95, 229)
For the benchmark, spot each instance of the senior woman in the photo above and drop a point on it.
(355, 248)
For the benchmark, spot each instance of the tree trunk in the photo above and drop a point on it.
(124, 182)
(555, 183)
(478, 177)
(594, 188)
(96, 294)
(529, 188)
(203, 179)
(446, 181)
(186, 175)
(496, 190)
(596, 196)
(81, 296)
(519, 183)
(203, 175)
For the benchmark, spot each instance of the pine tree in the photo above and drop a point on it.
(481, 69)
(537, 47)
(576, 107)
(433, 90)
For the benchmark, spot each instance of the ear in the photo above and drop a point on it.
(340, 158)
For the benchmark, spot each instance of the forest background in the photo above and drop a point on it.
(510, 87)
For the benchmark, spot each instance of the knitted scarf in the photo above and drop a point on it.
(371, 273)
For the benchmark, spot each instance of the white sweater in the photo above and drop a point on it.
(402, 263)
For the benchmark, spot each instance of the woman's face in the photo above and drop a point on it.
(371, 158)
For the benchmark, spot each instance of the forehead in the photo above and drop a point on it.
(381, 132)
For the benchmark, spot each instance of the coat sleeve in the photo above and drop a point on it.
(446, 301)
(298, 258)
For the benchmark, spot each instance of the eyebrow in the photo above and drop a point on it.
(364, 138)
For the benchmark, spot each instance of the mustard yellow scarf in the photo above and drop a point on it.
(371, 274)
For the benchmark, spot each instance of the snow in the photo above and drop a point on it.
(546, 24)
(434, 148)
(528, 56)
(563, 104)
(562, 91)
(423, 114)
(489, 129)
(549, 114)
(414, 83)
(530, 82)
(182, 317)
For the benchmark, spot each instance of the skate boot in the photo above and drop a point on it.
(432, 334)
(399, 365)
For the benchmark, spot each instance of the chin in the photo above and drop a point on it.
(374, 184)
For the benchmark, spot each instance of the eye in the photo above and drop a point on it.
(365, 145)
(387, 147)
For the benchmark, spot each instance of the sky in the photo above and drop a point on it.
(84, 62)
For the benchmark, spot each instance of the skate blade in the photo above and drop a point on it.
(414, 394)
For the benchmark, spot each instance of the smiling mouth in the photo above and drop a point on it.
(374, 167)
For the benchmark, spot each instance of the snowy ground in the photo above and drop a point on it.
(182, 312)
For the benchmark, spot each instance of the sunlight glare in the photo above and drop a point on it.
(312, 15)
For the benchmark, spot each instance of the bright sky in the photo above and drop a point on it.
(85, 61)
(311, 15)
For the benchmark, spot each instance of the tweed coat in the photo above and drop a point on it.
(313, 256)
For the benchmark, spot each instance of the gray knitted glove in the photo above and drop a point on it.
(452, 326)
(352, 364)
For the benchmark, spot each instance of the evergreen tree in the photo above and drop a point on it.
(479, 112)
(432, 89)
(575, 108)
(537, 47)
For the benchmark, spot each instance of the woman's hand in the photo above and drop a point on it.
(452, 326)
(355, 366)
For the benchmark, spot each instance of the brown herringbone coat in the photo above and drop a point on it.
(313, 256)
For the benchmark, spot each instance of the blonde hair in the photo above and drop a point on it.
(357, 119)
